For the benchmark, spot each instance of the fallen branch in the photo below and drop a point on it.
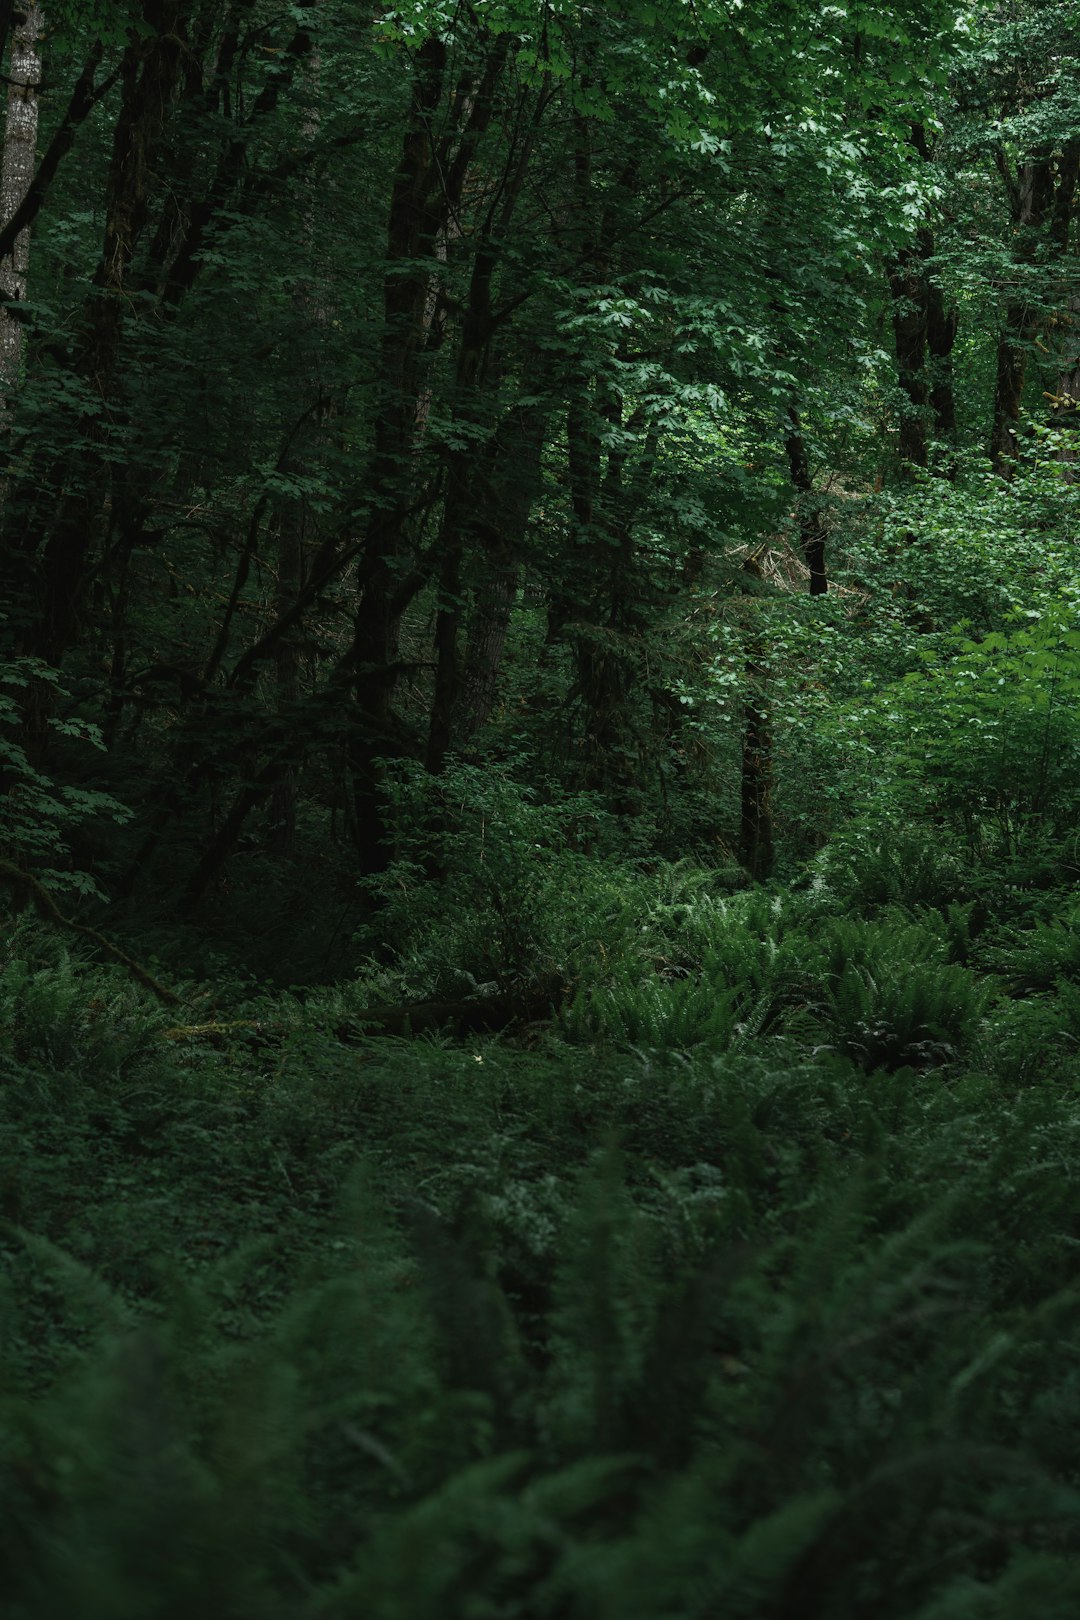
(48, 908)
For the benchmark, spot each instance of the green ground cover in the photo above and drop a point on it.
(746, 1283)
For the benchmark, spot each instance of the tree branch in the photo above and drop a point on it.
(84, 98)
(48, 908)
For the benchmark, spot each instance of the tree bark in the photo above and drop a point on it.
(19, 162)
(284, 791)
(925, 330)
(84, 98)
(756, 834)
(188, 221)
(941, 328)
(447, 622)
(512, 484)
(909, 294)
(1065, 398)
(426, 195)
(293, 514)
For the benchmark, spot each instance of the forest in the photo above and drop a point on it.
(539, 804)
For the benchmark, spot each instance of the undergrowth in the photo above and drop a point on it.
(746, 1286)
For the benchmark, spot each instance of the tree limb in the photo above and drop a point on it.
(48, 908)
(84, 98)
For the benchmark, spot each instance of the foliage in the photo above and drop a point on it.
(891, 998)
(567, 511)
(800, 1314)
(981, 740)
(487, 878)
(37, 813)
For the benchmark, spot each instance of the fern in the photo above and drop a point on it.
(890, 998)
(1037, 958)
(657, 1013)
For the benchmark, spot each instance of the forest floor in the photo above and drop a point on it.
(744, 1282)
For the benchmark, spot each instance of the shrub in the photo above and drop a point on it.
(984, 740)
(37, 814)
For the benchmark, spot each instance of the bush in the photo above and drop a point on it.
(984, 740)
(485, 881)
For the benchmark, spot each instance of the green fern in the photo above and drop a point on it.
(1037, 958)
(891, 999)
(671, 1014)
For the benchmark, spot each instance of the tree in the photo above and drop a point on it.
(20, 143)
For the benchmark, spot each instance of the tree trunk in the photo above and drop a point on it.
(1012, 357)
(1065, 397)
(511, 484)
(287, 672)
(925, 330)
(756, 836)
(489, 624)
(293, 515)
(151, 74)
(909, 293)
(448, 619)
(941, 328)
(603, 674)
(813, 531)
(427, 191)
(20, 150)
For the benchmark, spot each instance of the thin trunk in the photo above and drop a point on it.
(756, 833)
(941, 329)
(813, 531)
(428, 187)
(925, 335)
(287, 673)
(598, 666)
(512, 486)
(756, 849)
(447, 673)
(84, 98)
(458, 510)
(909, 294)
(416, 212)
(489, 624)
(224, 840)
(182, 234)
(293, 515)
(1011, 374)
(1065, 396)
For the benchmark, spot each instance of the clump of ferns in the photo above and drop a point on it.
(1038, 958)
(892, 1000)
(657, 1012)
